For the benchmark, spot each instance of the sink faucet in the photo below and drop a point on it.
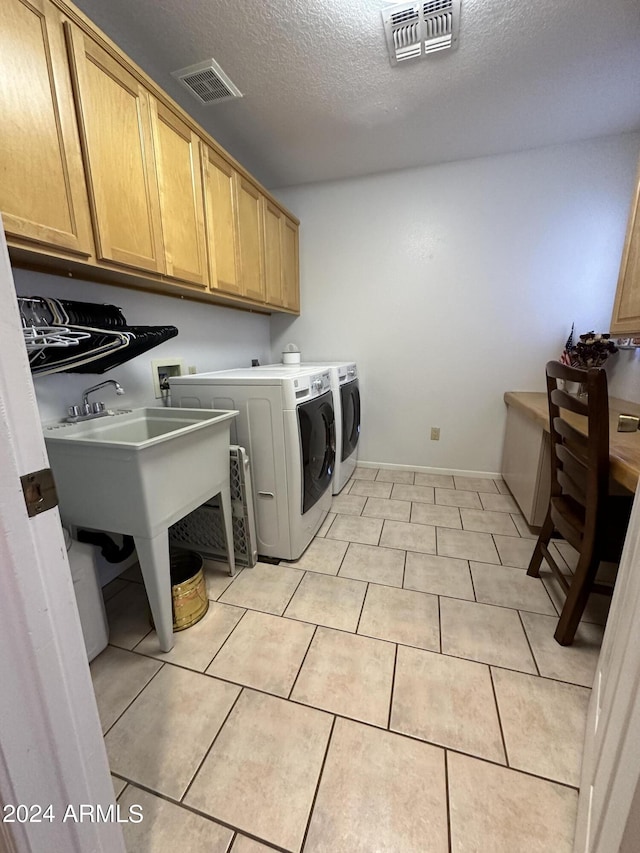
(116, 385)
(92, 410)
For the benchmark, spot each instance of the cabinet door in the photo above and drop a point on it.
(115, 125)
(626, 309)
(273, 219)
(177, 153)
(526, 465)
(221, 222)
(251, 249)
(290, 267)
(43, 195)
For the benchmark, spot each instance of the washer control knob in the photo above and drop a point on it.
(317, 384)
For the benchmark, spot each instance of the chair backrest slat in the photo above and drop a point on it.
(573, 438)
(572, 487)
(579, 463)
(564, 400)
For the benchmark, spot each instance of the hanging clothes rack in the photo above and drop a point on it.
(82, 337)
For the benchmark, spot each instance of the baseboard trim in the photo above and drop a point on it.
(425, 469)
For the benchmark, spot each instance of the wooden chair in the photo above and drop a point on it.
(582, 509)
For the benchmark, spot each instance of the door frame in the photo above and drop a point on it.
(51, 745)
(611, 755)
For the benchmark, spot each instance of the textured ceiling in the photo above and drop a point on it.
(321, 100)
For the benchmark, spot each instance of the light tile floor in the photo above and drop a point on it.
(397, 688)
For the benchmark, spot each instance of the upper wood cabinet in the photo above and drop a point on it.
(280, 258)
(115, 125)
(626, 309)
(290, 265)
(43, 196)
(250, 240)
(220, 194)
(105, 175)
(273, 218)
(177, 150)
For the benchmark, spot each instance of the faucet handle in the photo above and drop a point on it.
(74, 411)
(98, 407)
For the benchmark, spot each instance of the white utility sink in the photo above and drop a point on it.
(137, 472)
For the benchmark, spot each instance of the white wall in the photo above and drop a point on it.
(209, 336)
(453, 284)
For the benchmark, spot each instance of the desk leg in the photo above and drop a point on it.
(153, 555)
(227, 514)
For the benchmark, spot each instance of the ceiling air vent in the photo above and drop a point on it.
(415, 30)
(207, 82)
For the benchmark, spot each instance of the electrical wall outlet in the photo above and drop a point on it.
(161, 370)
(435, 433)
(192, 369)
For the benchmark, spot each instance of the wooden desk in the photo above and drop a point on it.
(624, 447)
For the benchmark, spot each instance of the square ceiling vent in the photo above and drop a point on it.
(417, 30)
(207, 82)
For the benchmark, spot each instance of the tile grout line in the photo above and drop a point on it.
(226, 639)
(446, 792)
(343, 558)
(439, 626)
(393, 686)
(193, 810)
(495, 699)
(364, 598)
(207, 751)
(473, 586)
(318, 783)
(138, 694)
(533, 657)
(302, 662)
(404, 571)
(302, 577)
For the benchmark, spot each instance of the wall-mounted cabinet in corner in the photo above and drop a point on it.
(43, 196)
(280, 258)
(626, 309)
(290, 265)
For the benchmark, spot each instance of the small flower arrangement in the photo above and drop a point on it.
(592, 350)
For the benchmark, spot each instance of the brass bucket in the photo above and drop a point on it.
(188, 589)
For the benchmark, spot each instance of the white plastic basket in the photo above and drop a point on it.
(203, 529)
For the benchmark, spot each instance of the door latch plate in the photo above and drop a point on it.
(39, 491)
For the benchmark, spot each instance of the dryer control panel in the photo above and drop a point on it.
(310, 386)
(347, 373)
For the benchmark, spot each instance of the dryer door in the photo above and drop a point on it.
(317, 447)
(350, 399)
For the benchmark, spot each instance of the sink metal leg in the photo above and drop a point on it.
(153, 555)
(227, 515)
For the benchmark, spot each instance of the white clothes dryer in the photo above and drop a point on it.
(346, 404)
(287, 425)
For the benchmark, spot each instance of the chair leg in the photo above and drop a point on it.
(577, 598)
(543, 539)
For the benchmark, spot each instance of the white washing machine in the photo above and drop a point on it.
(287, 425)
(346, 405)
